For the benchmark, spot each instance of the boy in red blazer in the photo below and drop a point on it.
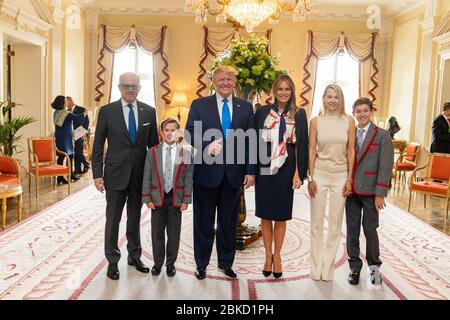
(167, 189)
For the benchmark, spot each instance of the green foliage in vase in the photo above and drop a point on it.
(257, 69)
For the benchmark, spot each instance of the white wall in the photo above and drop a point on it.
(403, 78)
(27, 89)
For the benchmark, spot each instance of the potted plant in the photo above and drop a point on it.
(9, 128)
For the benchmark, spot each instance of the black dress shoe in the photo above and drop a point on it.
(156, 270)
(139, 265)
(62, 180)
(200, 273)
(266, 273)
(353, 278)
(228, 271)
(277, 274)
(74, 177)
(113, 271)
(171, 271)
(85, 170)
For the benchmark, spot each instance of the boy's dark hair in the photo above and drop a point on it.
(167, 121)
(361, 101)
(446, 106)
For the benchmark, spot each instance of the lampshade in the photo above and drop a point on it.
(179, 99)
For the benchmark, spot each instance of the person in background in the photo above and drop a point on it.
(79, 157)
(331, 159)
(63, 120)
(441, 131)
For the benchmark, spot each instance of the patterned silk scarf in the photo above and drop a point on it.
(59, 116)
(279, 130)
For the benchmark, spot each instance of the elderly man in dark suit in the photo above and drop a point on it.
(130, 127)
(441, 131)
(79, 157)
(217, 184)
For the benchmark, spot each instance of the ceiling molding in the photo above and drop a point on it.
(43, 11)
(22, 21)
(443, 27)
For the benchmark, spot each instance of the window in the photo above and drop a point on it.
(134, 60)
(342, 70)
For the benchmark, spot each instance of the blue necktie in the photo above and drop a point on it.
(131, 124)
(226, 118)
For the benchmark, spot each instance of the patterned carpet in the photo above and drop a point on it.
(58, 254)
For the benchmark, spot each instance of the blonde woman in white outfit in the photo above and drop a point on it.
(331, 159)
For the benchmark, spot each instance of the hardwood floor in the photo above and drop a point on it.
(433, 214)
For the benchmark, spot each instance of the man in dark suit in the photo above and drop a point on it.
(217, 185)
(130, 127)
(79, 143)
(441, 131)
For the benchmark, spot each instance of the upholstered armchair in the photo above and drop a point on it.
(10, 186)
(436, 180)
(42, 153)
(406, 162)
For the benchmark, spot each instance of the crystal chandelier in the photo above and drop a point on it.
(249, 13)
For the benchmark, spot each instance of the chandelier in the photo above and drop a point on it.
(249, 13)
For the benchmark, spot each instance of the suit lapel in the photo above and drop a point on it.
(119, 114)
(176, 165)
(215, 112)
(370, 136)
(159, 163)
(367, 138)
(236, 110)
(141, 113)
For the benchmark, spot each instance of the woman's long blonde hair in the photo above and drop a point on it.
(291, 104)
(341, 107)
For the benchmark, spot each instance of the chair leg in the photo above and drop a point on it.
(409, 201)
(37, 187)
(70, 181)
(424, 200)
(19, 208)
(3, 213)
(446, 209)
(395, 178)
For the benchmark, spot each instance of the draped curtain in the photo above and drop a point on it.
(216, 40)
(361, 47)
(152, 40)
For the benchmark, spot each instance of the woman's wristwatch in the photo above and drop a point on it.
(310, 178)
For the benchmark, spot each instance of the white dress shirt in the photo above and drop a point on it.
(220, 105)
(366, 128)
(173, 153)
(126, 112)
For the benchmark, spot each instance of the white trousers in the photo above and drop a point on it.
(323, 253)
